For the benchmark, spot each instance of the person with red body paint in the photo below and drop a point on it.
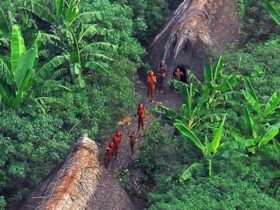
(109, 154)
(141, 116)
(151, 84)
(116, 139)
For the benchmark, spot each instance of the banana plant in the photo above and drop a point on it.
(208, 149)
(73, 29)
(257, 137)
(216, 83)
(264, 111)
(19, 73)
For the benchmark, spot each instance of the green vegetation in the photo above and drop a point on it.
(224, 153)
(68, 67)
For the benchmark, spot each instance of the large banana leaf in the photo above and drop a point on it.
(41, 11)
(49, 67)
(274, 13)
(4, 23)
(98, 67)
(17, 47)
(166, 112)
(90, 30)
(25, 64)
(189, 135)
(250, 123)
(249, 88)
(71, 11)
(254, 104)
(188, 173)
(93, 47)
(272, 104)
(217, 137)
(269, 135)
(59, 7)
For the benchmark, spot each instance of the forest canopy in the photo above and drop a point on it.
(68, 67)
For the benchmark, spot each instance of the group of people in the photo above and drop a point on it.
(154, 81)
(113, 146)
(157, 81)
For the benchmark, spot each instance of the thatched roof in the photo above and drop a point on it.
(74, 184)
(196, 26)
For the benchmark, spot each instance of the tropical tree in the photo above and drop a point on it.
(208, 149)
(19, 72)
(74, 32)
(266, 112)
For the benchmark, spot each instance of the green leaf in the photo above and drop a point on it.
(98, 67)
(250, 123)
(188, 173)
(254, 104)
(218, 68)
(25, 64)
(189, 135)
(17, 47)
(59, 6)
(272, 104)
(51, 65)
(269, 135)
(217, 137)
(274, 13)
(249, 88)
(166, 112)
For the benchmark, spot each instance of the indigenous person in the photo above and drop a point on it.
(109, 154)
(151, 83)
(161, 76)
(141, 116)
(178, 74)
(116, 139)
(132, 141)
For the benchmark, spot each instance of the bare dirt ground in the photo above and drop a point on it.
(109, 194)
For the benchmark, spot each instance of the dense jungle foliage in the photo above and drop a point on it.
(224, 152)
(67, 67)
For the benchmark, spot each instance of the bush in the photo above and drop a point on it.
(239, 183)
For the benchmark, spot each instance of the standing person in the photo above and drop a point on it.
(151, 83)
(161, 76)
(109, 154)
(132, 141)
(116, 139)
(141, 116)
(178, 74)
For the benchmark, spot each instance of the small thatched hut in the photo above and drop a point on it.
(80, 183)
(73, 185)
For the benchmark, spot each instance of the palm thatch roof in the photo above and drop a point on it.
(196, 27)
(74, 184)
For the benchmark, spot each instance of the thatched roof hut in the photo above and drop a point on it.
(80, 183)
(196, 27)
(73, 185)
